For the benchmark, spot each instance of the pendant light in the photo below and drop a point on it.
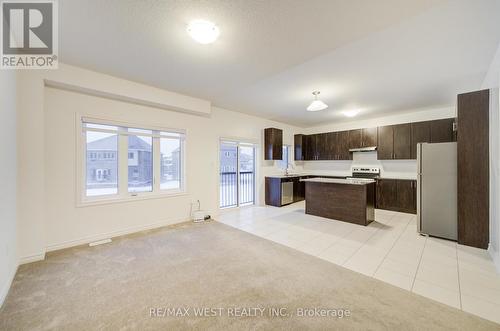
(316, 104)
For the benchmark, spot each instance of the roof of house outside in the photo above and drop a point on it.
(110, 143)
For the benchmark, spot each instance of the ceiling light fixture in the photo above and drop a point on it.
(351, 113)
(316, 104)
(202, 31)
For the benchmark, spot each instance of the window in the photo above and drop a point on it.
(147, 154)
(283, 164)
(140, 169)
(97, 183)
(171, 162)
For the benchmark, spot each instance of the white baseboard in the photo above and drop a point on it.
(103, 236)
(32, 258)
(495, 256)
(6, 288)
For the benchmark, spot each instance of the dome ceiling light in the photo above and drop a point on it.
(316, 105)
(202, 31)
(351, 113)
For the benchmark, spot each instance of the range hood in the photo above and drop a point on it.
(363, 149)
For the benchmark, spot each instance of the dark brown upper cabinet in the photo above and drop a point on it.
(420, 133)
(385, 145)
(437, 131)
(331, 141)
(317, 147)
(355, 138)
(342, 146)
(299, 147)
(310, 150)
(369, 137)
(322, 146)
(273, 142)
(442, 131)
(394, 142)
(402, 142)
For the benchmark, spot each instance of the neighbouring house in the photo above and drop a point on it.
(229, 158)
(102, 163)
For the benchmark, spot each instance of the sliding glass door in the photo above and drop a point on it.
(237, 174)
(246, 176)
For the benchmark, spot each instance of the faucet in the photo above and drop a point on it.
(286, 170)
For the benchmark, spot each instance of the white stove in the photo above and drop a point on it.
(365, 173)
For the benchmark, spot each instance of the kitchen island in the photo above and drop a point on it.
(348, 200)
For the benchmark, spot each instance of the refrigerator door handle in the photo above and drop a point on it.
(419, 187)
(419, 203)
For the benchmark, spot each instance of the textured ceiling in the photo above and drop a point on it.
(378, 56)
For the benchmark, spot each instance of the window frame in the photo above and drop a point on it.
(123, 195)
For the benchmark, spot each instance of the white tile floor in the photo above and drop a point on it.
(388, 249)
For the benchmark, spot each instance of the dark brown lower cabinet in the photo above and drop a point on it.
(397, 195)
(273, 190)
(386, 193)
(299, 190)
(406, 195)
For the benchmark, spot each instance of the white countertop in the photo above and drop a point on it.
(388, 176)
(338, 181)
(289, 176)
(305, 174)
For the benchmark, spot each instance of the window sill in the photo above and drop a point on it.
(129, 198)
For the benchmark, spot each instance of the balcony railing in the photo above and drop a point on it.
(229, 188)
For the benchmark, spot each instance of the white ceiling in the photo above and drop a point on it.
(379, 56)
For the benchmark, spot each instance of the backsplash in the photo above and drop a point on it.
(403, 169)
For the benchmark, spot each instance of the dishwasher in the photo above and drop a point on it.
(286, 193)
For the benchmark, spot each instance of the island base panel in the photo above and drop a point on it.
(347, 203)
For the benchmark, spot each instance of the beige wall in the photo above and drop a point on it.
(49, 217)
(67, 225)
(8, 187)
(491, 81)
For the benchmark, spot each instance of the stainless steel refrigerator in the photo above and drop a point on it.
(437, 189)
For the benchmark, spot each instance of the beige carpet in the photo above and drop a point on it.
(113, 287)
